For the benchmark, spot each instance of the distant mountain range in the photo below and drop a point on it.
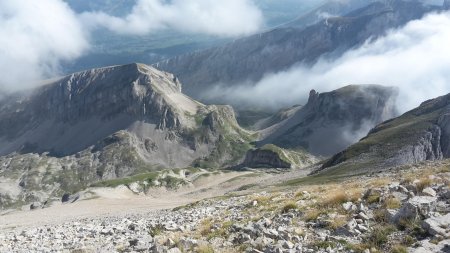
(249, 59)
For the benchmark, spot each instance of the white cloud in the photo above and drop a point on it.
(414, 58)
(35, 37)
(221, 18)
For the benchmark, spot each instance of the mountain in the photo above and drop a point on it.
(274, 119)
(249, 59)
(108, 123)
(421, 134)
(333, 8)
(331, 121)
(110, 48)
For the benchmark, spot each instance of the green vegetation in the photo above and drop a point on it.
(291, 205)
(289, 156)
(379, 235)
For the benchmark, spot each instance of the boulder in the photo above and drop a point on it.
(416, 207)
(438, 225)
(429, 192)
(426, 246)
(174, 250)
(349, 206)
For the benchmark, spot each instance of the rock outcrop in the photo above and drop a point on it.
(418, 135)
(332, 121)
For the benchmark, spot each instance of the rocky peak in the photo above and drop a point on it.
(313, 95)
(68, 115)
(339, 118)
(135, 90)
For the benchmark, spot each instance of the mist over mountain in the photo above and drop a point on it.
(338, 118)
(329, 52)
(33, 40)
(421, 134)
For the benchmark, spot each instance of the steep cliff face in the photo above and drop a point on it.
(418, 135)
(249, 59)
(332, 121)
(108, 123)
(74, 112)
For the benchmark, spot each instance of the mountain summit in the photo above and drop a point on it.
(109, 123)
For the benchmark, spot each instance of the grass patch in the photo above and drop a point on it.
(423, 183)
(379, 235)
(334, 199)
(311, 215)
(392, 203)
(205, 249)
(291, 205)
(337, 222)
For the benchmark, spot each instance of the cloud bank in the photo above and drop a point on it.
(414, 58)
(228, 18)
(35, 37)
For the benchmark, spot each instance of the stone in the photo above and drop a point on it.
(390, 214)
(363, 216)
(188, 243)
(403, 189)
(287, 245)
(349, 206)
(446, 193)
(351, 224)
(400, 196)
(362, 228)
(133, 242)
(415, 207)
(35, 205)
(174, 250)
(429, 192)
(271, 233)
(426, 246)
(438, 225)
(362, 208)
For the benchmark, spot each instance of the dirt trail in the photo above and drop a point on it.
(120, 201)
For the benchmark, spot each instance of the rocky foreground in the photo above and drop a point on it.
(404, 210)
